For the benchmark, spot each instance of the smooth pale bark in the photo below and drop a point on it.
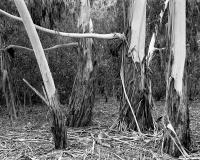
(37, 47)
(58, 124)
(177, 110)
(179, 40)
(137, 22)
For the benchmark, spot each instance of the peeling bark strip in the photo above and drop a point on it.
(176, 95)
(82, 97)
(134, 75)
(137, 22)
(179, 41)
(58, 125)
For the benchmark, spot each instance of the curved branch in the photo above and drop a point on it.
(46, 49)
(73, 35)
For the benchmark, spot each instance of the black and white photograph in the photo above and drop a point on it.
(100, 80)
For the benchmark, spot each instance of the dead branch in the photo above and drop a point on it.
(46, 49)
(73, 35)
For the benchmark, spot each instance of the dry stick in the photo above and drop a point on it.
(46, 49)
(116, 155)
(126, 96)
(182, 152)
(45, 93)
(74, 35)
(38, 93)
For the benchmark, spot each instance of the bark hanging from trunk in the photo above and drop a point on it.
(136, 74)
(138, 89)
(178, 113)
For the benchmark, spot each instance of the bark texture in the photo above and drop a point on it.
(138, 88)
(7, 84)
(135, 73)
(58, 128)
(82, 97)
(177, 110)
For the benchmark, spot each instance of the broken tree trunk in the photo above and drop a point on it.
(58, 119)
(177, 110)
(134, 73)
(81, 101)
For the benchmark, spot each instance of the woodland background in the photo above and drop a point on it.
(107, 17)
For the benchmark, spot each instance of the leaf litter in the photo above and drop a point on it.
(29, 138)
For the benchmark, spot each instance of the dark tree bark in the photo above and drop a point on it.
(137, 84)
(82, 97)
(81, 101)
(7, 85)
(178, 112)
(140, 98)
(58, 127)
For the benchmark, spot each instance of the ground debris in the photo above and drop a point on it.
(30, 139)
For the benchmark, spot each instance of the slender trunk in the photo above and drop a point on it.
(24, 103)
(58, 119)
(7, 86)
(30, 99)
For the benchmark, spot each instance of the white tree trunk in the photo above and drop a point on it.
(37, 47)
(58, 120)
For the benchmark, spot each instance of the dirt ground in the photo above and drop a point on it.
(29, 138)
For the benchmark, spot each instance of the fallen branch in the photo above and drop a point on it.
(31, 140)
(73, 35)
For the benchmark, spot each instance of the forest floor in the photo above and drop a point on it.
(29, 138)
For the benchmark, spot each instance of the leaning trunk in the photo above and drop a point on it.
(176, 95)
(134, 73)
(58, 120)
(82, 97)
